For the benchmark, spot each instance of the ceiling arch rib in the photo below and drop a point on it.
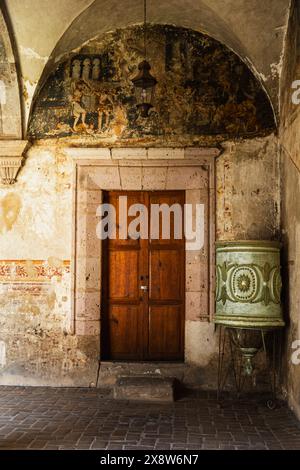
(10, 104)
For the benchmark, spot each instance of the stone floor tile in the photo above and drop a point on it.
(77, 418)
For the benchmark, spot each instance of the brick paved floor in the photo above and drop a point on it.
(62, 418)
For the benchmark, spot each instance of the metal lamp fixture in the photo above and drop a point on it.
(144, 82)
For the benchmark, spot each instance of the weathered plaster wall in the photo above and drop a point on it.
(290, 193)
(36, 27)
(248, 204)
(36, 321)
(35, 279)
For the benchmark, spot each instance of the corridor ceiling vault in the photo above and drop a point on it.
(45, 36)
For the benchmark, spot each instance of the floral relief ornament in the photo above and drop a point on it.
(254, 284)
(244, 282)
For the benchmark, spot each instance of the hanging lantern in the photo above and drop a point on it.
(144, 84)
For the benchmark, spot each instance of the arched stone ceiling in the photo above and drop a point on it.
(47, 31)
(37, 26)
(10, 105)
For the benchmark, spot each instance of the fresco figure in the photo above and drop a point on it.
(78, 111)
(96, 69)
(76, 69)
(105, 107)
(86, 69)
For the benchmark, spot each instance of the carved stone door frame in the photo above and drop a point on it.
(99, 169)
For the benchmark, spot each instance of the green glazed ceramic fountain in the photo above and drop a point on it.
(248, 284)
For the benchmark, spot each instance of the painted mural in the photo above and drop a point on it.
(203, 89)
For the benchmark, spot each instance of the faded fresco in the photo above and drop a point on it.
(203, 89)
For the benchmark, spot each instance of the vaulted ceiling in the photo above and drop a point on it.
(45, 32)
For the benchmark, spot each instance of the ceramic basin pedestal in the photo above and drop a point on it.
(248, 291)
(248, 284)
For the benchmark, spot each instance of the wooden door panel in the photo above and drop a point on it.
(165, 275)
(124, 332)
(133, 197)
(124, 307)
(148, 323)
(166, 283)
(123, 275)
(165, 332)
(169, 198)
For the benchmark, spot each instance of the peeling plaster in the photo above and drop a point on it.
(276, 69)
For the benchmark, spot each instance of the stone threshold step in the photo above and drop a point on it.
(144, 388)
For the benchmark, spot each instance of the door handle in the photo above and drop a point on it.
(144, 288)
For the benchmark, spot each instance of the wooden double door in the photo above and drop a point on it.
(143, 294)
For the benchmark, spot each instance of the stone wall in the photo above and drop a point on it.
(290, 193)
